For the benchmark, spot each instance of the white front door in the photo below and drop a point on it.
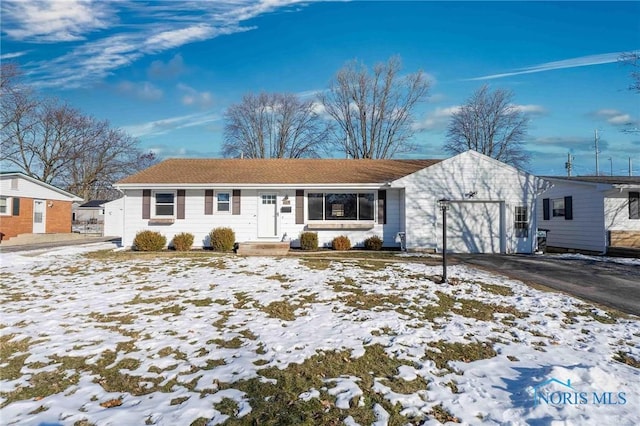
(39, 216)
(267, 215)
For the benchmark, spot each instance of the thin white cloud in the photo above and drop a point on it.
(150, 28)
(437, 119)
(191, 97)
(13, 55)
(52, 21)
(530, 109)
(583, 61)
(615, 117)
(143, 90)
(171, 69)
(160, 127)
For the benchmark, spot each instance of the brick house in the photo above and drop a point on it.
(30, 206)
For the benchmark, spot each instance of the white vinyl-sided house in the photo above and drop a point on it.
(491, 205)
(591, 213)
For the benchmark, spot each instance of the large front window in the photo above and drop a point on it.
(340, 206)
(165, 202)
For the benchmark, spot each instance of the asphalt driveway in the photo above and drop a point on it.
(609, 283)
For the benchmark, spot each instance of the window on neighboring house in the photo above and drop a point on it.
(223, 202)
(165, 203)
(14, 183)
(557, 207)
(340, 206)
(4, 206)
(634, 205)
(521, 222)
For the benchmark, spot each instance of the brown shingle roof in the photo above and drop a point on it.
(275, 171)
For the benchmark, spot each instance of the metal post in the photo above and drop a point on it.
(444, 206)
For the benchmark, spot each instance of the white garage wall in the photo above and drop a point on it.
(457, 177)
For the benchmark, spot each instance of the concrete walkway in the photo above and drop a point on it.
(52, 244)
(612, 284)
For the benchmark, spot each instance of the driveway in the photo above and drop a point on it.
(609, 283)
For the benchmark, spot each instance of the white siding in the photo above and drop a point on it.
(616, 211)
(586, 230)
(29, 189)
(469, 172)
(113, 218)
(245, 225)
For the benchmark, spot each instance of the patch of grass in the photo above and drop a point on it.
(316, 263)
(442, 415)
(500, 290)
(357, 298)
(279, 403)
(279, 277)
(465, 352)
(178, 401)
(171, 309)
(234, 343)
(242, 300)
(200, 302)
(280, 309)
(627, 359)
(12, 356)
(113, 317)
(227, 406)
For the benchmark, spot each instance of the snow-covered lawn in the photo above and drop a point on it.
(131, 339)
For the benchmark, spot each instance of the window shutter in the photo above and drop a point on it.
(546, 214)
(235, 209)
(299, 206)
(15, 206)
(181, 197)
(568, 208)
(634, 205)
(208, 201)
(146, 203)
(382, 206)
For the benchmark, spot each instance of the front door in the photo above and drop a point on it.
(267, 215)
(39, 219)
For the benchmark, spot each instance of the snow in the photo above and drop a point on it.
(69, 305)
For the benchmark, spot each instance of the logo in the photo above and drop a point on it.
(558, 393)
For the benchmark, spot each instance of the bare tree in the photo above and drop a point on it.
(57, 144)
(632, 59)
(491, 124)
(373, 110)
(273, 125)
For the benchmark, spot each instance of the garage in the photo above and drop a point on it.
(473, 227)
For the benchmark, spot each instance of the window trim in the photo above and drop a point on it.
(229, 202)
(357, 220)
(8, 206)
(155, 204)
(518, 213)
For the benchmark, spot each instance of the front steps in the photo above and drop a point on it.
(263, 248)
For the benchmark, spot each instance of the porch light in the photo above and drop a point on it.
(443, 203)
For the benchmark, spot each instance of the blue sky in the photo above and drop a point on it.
(166, 71)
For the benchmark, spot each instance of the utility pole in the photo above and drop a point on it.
(610, 166)
(630, 168)
(568, 165)
(597, 165)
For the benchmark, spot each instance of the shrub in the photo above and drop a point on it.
(149, 241)
(222, 239)
(341, 243)
(373, 243)
(183, 241)
(309, 241)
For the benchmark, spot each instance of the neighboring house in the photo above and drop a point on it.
(89, 212)
(88, 218)
(113, 218)
(492, 204)
(591, 213)
(28, 205)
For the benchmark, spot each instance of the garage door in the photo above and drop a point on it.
(472, 227)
